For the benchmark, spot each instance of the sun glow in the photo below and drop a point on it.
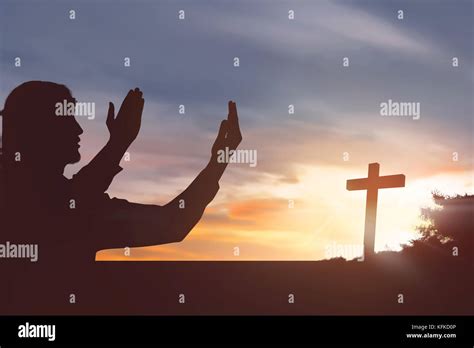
(301, 220)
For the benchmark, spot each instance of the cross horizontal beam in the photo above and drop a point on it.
(380, 182)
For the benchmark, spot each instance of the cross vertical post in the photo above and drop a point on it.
(371, 210)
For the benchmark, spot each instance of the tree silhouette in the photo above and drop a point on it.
(449, 225)
(451, 220)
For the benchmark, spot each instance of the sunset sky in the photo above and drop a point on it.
(282, 62)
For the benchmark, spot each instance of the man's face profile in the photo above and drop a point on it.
(65, 131)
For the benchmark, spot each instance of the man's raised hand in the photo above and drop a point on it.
(229, 132)
(125, 127)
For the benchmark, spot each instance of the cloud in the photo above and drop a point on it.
(322, 26)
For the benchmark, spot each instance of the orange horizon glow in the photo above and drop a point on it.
(324, 216)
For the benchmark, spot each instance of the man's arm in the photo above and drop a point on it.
(131, 224)
(95, 178)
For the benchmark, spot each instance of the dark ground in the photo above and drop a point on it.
(436, 284)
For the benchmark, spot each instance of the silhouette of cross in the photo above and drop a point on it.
(372, 184)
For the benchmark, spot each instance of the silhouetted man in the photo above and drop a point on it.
(71, 220)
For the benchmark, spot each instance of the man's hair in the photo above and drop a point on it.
(24, 128)
(23, 116)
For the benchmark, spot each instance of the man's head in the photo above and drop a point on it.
(32, 129)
